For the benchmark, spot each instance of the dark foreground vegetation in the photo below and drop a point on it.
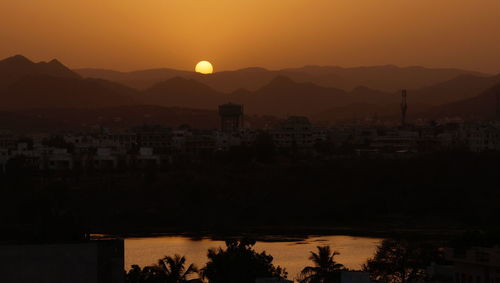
(238, 262)
(240, 190)
(397, 260)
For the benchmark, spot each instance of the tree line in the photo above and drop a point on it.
(395, 261)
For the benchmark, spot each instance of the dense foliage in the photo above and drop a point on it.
(400, 261)
(234, 193)
(168, 270)
(239, 262)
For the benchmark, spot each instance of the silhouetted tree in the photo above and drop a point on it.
(168, 270)
(398, 261)
(135, 275)
(239, 262)
(325, 268)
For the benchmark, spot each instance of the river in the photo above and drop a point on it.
(293, 255)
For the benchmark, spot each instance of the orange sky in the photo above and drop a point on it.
(139, 34)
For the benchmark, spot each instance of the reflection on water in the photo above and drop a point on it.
(354, 251)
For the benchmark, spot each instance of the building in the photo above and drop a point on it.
(396, 141)
(475, 265)
(147, 158)
(58, 159)
(104, 159)
(231, 117)
(296, 131)
(482, 137)
(81, 262)
(153, 136)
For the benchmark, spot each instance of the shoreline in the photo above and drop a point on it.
(290, 234)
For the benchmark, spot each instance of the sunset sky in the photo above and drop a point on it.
(232, 34)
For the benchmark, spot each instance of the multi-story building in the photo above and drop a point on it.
(394, 141)
(154, 136)
(231, 117)
(297, 131)
(481, 137)
(475, 265)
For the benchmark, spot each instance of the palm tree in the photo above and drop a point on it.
(325, 269)
(172, 269)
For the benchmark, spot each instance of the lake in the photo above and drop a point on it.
(293, 255)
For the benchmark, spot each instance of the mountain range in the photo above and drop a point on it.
(385, 78)
(324, 93)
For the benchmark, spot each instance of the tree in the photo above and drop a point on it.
(325, 268)
(399, 261)
(168, 270)
(239, 263)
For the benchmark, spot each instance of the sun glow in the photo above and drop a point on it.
(204, 67)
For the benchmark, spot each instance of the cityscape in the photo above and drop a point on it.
(327, 141)
(158, 145)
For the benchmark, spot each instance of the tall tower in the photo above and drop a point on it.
(404, 108)
(231, 117)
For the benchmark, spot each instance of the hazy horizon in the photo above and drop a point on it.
(137, 35)
(237, 69)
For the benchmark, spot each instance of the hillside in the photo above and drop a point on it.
(384, 78)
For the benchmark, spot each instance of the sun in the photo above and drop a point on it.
(204, 67)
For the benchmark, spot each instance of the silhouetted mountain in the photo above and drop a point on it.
(25, 84)
(17, 67)
(384, 78)
(301, 92)
(47, 91)
(283, 96)
(123, 117)
(482, 106)
(367, 95)
(229, 81)
(180, 92)
(461, 87)
(141, 80)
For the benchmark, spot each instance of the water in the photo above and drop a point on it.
(354, 251)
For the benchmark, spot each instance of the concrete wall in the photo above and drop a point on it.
(89, 262)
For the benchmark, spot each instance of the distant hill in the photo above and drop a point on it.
(180, 92)
(46, 91)
(422, 102)
(25, 84)
(482, 106)
(282, 96)
(140, 80)
(17, 67)
(385, 78)
(461, 87)
(306, 91)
